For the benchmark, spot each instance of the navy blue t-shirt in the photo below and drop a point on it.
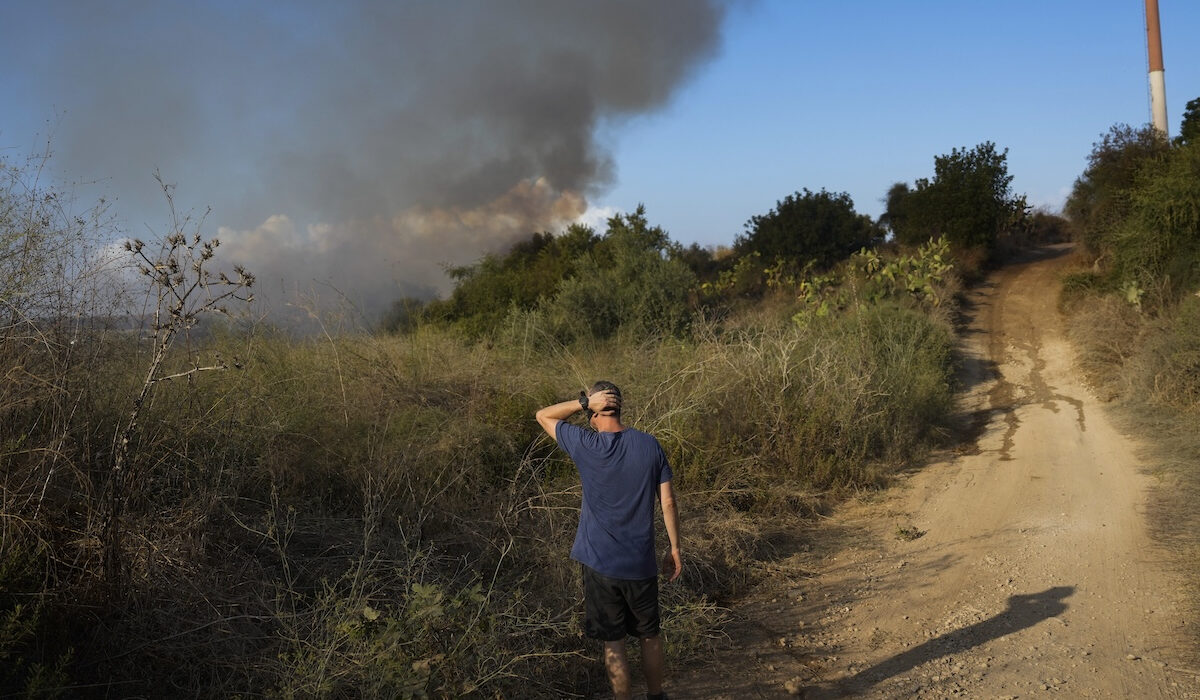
(621, 473)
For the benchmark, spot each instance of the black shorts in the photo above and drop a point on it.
(615, 607)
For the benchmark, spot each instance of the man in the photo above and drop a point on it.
(622, 470)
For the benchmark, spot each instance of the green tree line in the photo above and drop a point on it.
(633, 276)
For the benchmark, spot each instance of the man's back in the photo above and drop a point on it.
(620, 472)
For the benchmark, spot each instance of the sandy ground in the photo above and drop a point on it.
(1018, 567)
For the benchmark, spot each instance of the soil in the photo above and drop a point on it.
(1019, 565)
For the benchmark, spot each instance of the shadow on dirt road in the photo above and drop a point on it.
(1023, 611)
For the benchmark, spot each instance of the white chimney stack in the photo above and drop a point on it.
(1158, 84)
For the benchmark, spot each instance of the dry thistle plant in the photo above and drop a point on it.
(184, 290)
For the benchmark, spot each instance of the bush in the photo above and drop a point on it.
(1043, 227)
(818, 405)
(630, 282)
(485, 292)
(969, 201)
(30, 666)
(1157, 244)
(808, 227)
(1099, 202)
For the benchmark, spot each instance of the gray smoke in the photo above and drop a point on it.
(361, 144)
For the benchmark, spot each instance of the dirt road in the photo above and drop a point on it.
(1020, 567)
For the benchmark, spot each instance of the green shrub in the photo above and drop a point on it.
(1158, 243)
(29, 665)
(487, 290)
(816, 404)
(628, 283)
(821, 228)
(633, 278)
(1099, 199)
(926, 276)
(969, 200)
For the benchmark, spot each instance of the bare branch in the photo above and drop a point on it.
(190, 372)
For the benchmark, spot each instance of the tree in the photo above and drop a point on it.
(705, 262)
(633, 281)
(403, 316)
(1157, 242)
(183, 289)
(821, 227)
(1138, 207)
(634, 276)
(894, 216)
(1045, 227)
(533, 269)
(1099, 199)
(969, 200)
(1189, 127)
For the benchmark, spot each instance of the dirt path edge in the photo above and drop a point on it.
(1020, 565)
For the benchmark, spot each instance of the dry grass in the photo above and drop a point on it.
(356, 515)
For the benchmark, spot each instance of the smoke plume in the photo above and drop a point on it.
(356, 144)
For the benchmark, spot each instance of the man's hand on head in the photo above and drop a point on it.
(604, 402)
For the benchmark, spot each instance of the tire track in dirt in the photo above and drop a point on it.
(1020, 567)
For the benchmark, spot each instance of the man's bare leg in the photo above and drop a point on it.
(618, 669)
(653, 662)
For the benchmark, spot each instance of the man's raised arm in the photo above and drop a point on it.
(549, 416)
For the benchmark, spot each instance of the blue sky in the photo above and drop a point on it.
(367, 144)
(854, 96)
